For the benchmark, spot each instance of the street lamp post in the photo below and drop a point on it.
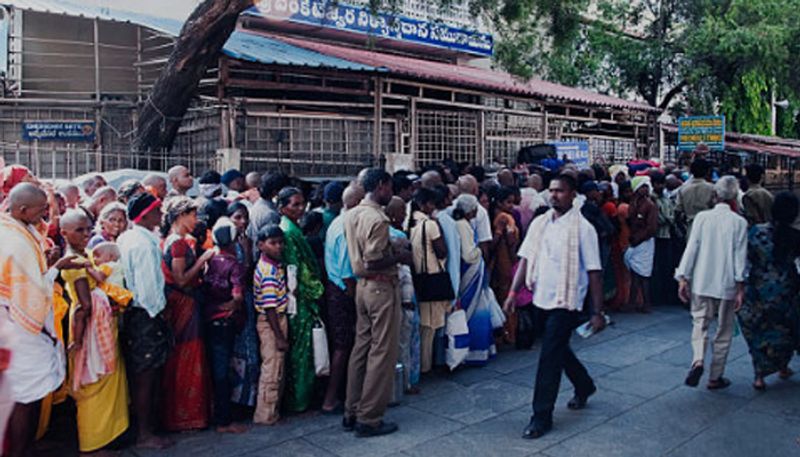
(783, 104)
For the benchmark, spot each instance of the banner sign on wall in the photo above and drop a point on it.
(576, 151)
(339, 16)
(74, 131)
(693, 130)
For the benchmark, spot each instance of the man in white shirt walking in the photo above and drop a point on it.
(560, 263)
(712, 272)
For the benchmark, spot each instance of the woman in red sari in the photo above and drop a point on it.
(186, 385)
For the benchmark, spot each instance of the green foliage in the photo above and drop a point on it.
(746, 104)
(722, 55)
(684, 56)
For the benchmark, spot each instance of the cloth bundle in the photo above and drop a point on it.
(97, 356)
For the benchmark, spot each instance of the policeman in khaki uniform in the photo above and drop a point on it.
(374, 259)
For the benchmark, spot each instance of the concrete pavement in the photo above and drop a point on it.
(641, 408)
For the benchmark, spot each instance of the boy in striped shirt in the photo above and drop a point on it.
(271, 299)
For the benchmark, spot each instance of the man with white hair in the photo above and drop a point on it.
(712, 272)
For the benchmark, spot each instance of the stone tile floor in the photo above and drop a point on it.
(641, 409)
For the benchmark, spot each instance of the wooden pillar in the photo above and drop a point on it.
(413, 140)
(96, 60)
(377, 131)
(481, 146)
(544, 125)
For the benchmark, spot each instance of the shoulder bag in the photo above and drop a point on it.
(432, 286)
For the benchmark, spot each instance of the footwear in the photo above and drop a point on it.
(413, 390)
(383, 428)
(717, 384)
(348, 423)
(786, 373)
(337, 410)
(760, 385)
(693, 378)
(535, 431)
(579, 402)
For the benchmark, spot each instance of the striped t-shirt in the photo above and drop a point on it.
(269, 286)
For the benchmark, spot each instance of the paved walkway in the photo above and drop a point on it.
(641, 409)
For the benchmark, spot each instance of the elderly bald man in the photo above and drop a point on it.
(101, 198)
(71, 193)
(37, 365)
(506, 178)
(431, 179)
(481, 224)
(181, 180)
(339, 294)
(91, 185)
(156, 184)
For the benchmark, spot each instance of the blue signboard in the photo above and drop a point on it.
(339, 16)
(693, 130)
(69, 131)
(576, 151)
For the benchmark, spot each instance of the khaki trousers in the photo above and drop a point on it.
(704, 310)
(370, 375)
(270, 381)
(432, 317)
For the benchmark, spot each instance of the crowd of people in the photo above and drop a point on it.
(152, 311)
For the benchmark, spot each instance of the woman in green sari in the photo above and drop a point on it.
(300, 373)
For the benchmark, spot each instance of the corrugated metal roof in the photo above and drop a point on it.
(467, 76)
(69, 8)
(291, 51)
(256, 48)
(241, 45)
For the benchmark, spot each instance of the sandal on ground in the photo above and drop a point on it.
(786, 373)
(413, 390)
(760, 385)
(337, 410)
(693, 378)
(717, 384)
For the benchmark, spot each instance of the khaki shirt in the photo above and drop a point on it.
(757, 203)
(695, 196)
(366, 228)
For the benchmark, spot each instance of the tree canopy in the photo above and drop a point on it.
(684, 56)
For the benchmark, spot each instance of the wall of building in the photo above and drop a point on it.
(55, 56)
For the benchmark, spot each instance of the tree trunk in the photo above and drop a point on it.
(198, 46)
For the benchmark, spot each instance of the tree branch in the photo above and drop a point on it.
(672, 94)
(200, 42)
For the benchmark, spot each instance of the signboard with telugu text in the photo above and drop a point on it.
(693, 130)
(349, 18)
(576, 151)
(67, 131)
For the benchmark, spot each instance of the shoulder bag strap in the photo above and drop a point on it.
(424, 249)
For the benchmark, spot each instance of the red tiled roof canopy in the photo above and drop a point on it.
(463, 75)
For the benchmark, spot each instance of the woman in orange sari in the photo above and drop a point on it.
(621, 242)
(186, 385)
(504, 248)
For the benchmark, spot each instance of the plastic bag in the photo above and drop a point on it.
(457, 338)
(322, 362)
